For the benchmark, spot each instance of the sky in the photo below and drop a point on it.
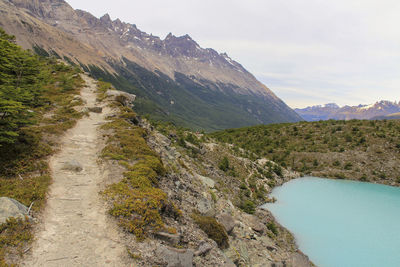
(307, 52)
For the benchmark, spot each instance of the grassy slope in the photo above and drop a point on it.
(360, 150)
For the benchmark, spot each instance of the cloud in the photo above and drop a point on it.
(306, 51)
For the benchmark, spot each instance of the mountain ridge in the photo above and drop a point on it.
(378, 110)
(175, 79)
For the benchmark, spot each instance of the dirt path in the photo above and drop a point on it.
(76, 230)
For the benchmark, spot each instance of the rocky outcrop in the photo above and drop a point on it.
(124, 98)
(11, 208)
(251, 242)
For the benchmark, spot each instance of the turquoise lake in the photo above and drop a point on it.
(341, 223)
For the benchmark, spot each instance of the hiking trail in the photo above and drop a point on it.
(75, 229)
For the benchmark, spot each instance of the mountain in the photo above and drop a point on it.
(362, 112)
(393, 116)
(175, 79)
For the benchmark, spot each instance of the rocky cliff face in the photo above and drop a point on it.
(213, 81)
(363, 112)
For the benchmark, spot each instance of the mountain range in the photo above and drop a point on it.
(379, 110)
(174, 78)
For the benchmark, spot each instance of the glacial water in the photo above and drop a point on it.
(341, 223)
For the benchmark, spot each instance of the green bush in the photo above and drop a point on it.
(213, 229)
(273, 228)
(224, 164)
(248, 206)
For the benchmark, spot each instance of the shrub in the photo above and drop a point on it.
(278, 170)
(248, 206)
(224, 164)
(213, 229)
(273, 228)
(336, 163)
(348, 166)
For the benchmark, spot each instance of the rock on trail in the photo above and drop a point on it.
(75, 229)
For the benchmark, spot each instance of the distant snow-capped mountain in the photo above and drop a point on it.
(377, 110)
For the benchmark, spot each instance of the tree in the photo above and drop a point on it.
(20, 87)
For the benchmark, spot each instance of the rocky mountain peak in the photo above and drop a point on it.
(54, 9)
(105, 19)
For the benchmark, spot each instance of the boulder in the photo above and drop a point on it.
(206, 181)
(254, 223)
(72, 165)
(11, 208)
(176, 257)
(203, 248)
(205, 207)
(124, 98)
(172, 239)
(227, 221)
(299, 260)
(95, 109)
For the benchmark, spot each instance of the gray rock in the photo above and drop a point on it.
(227, 221)
(203, 248)
(72, 165)
(299, 260)
(206, 181)
(172, 239)
(124, 98)
(95, 109)
(205, 207)
(176, 257)
(11, 208)
(255, 223)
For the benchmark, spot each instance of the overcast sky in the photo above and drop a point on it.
(306, 51)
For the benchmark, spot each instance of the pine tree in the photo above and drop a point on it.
(20, 87)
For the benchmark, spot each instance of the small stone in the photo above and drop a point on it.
(172, 239)
(176, 257)
(203, 248)
(72, 165)
(95, 109)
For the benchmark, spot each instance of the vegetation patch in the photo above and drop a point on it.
(14, 234)
(213, 229)
(36, 105)
(355, 149)
(137, 202)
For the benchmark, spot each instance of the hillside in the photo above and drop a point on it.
(360, 112)
(359, 150)
(175, 79)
